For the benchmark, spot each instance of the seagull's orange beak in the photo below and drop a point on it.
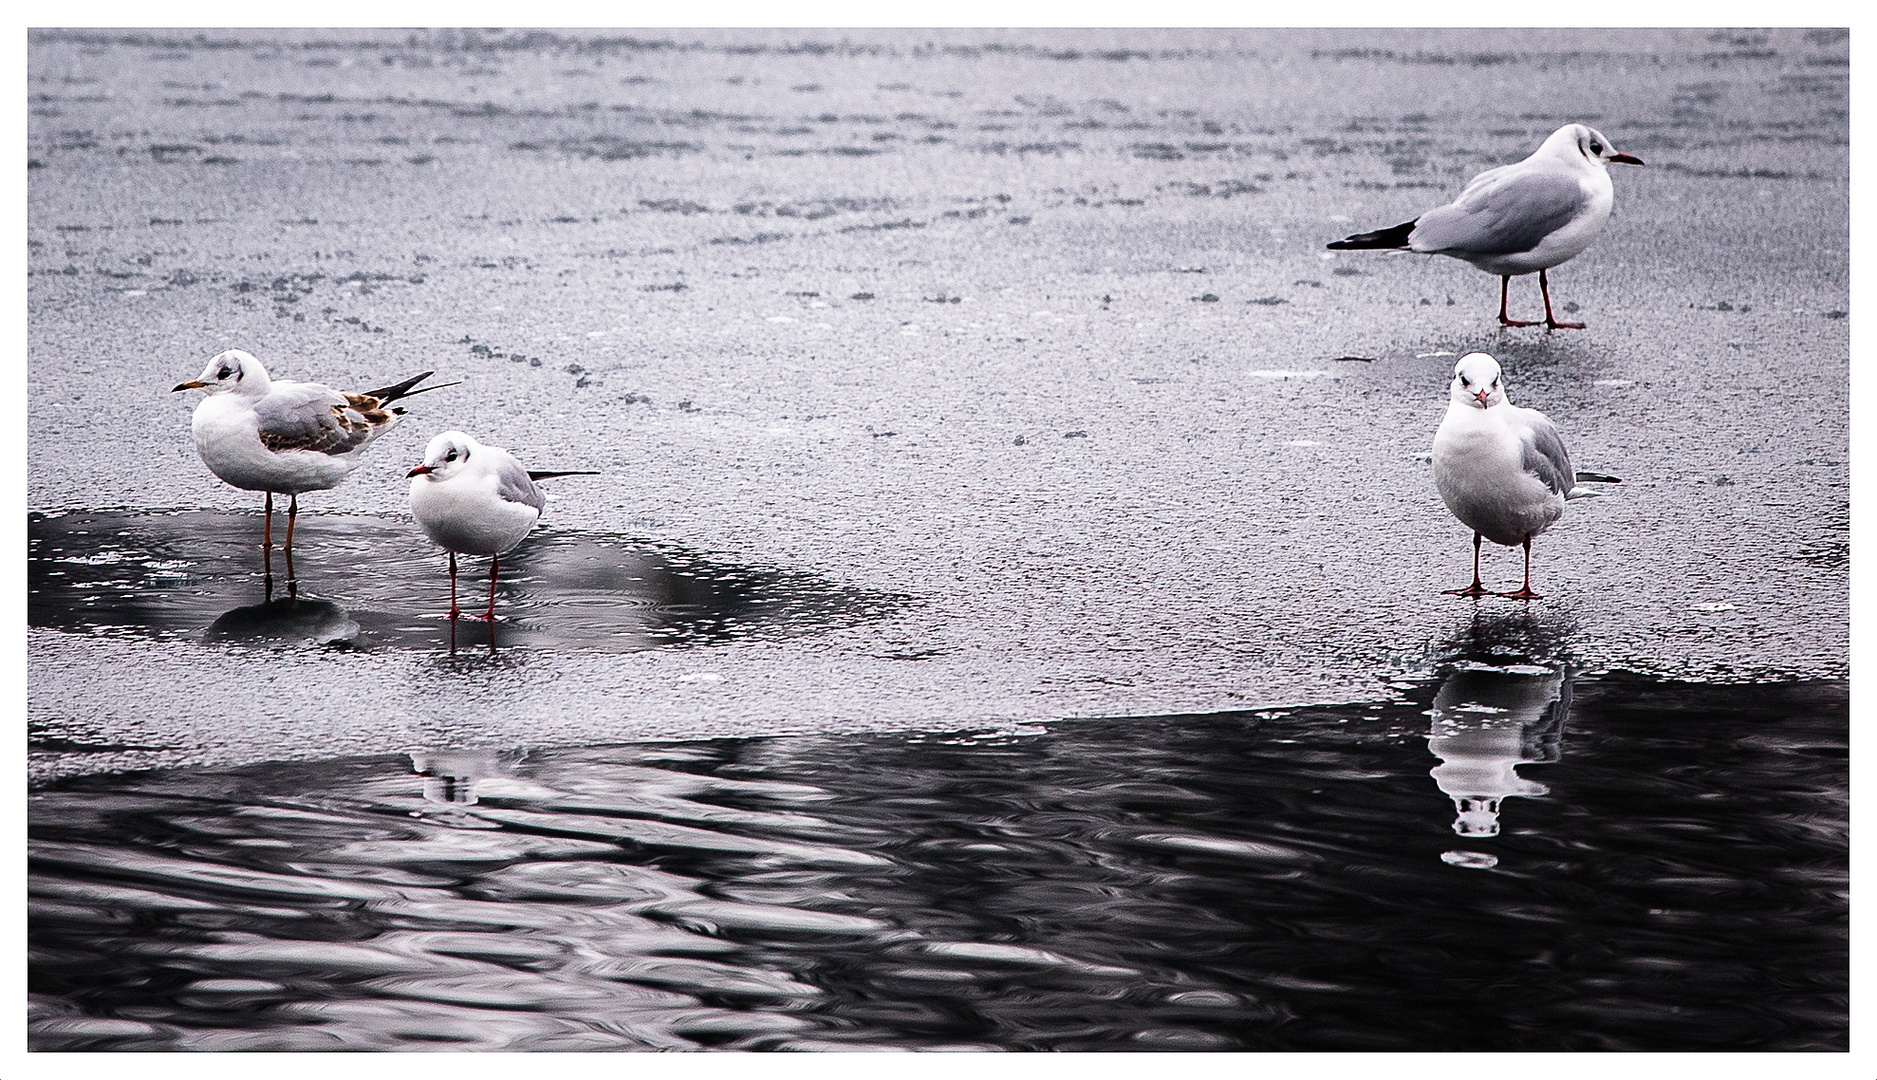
(192, 384)
(1625, 159)
(420, 471)
(1482, 396)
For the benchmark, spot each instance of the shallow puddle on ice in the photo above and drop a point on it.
(368, 582)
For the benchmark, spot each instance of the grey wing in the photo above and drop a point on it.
(1502, 212)
(308, 416)
(512, 484)
(1545, 455)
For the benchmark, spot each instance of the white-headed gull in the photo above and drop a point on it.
(1512, 220)
(476, 500)
(1502, 470)
(285, 437)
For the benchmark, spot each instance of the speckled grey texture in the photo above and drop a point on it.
(1035, 326)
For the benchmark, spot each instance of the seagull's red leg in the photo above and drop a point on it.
(1475, 589)
(267, 541)
(495, 565)
(1525, 593)
(455, 612)
(1551, 321)
(1505, 286)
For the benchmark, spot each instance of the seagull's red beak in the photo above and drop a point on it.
(1625, 159)
(1482, 396)
(420, 470)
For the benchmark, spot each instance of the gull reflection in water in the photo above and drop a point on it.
(321, 622)
(450, 775)
(1487, 722)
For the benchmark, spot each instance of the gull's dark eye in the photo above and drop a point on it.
(1464, 381)
(1596, 147)
(224, 373)
(451, 456)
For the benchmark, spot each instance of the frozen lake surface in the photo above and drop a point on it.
(929, 316)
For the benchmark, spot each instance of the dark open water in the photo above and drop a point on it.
(1510, 858)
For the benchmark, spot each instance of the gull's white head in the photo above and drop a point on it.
(1585, 143)
(231, 371)
(447, 455)
(1477, 382)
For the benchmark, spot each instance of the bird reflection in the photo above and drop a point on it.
(1487, 722)
(488, 628)
(1523, 636)
(286, 620)
(450, 775)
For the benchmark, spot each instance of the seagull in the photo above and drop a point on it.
(1512, 220)
(476, 500)
(284, 437)
(1502, 470)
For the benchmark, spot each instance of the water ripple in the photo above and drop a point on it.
(1176, 883)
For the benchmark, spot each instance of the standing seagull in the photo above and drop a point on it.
(282, 437)
(1502, 470)
(477, 500)
(1518, 218)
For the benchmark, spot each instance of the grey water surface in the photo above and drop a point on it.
(959, 398)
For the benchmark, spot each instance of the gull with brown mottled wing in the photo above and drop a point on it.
(284, 437)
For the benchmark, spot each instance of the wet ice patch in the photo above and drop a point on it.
(1280, 373)
(370, 582)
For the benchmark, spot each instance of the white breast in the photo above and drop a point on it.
(1480, 474)
(465, 515)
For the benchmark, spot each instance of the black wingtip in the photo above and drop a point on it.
(549, 474)
(388, 394)
(1596, 478)
(1395, 238)
(403, 389)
